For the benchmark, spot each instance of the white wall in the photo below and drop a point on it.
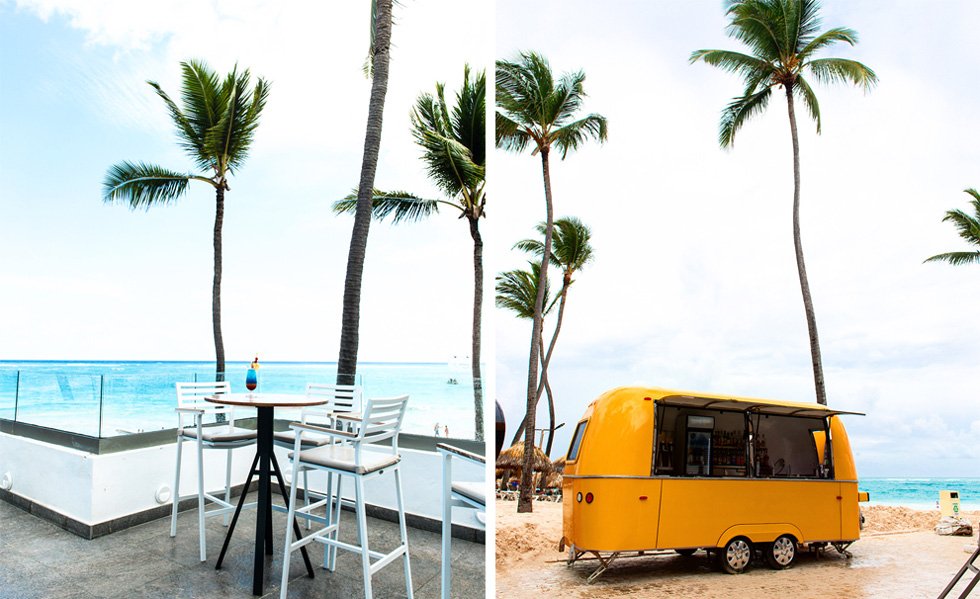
(97, 488)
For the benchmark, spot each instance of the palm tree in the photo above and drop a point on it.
(215, 126)
(533, 109)
(571, 251)
(453, 139)
(782, 36)
(968, 228)
(377, 65)
(517, 291)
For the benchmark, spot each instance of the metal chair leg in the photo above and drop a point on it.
(176, 491)
(306, 495)
(200, 495)
(447, 524)
(328, 514)
(287, 550)
(404, 532)
(362, 537)
(228, 484)
(338, 510)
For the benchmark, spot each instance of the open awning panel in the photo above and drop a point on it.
(751, 406)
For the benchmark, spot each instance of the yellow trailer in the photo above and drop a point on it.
(654, 469)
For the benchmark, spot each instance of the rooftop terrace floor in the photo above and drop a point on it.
(40, 560)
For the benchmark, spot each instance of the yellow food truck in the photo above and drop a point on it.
(653, 469)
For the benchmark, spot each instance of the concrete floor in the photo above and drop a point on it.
(40, 560)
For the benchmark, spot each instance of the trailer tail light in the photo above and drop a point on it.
(579, 497)
(589, 497)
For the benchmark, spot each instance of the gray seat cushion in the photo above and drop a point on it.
(474, 491)
(341, 457)
(288, 439)
(220, 434)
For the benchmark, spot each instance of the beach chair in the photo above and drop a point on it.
(190, 402)
(972, 566)
(360, 457)
(456, 494)
(340, 399)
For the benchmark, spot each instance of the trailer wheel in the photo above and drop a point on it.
(782, 553)
(686, 552)
(735, 556)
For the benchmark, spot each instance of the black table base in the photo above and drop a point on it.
(265, 458)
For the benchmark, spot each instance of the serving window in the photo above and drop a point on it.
(692, 442)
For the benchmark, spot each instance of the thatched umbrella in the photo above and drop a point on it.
(554, 480)
(512, 458)
(559, 465)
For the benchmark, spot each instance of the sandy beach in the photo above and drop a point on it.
(898, 556)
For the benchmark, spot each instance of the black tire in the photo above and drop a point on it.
(686, 552)
(735, 556)
(781, 553)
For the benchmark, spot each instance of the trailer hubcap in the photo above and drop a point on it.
(783, 551)
(738, 554)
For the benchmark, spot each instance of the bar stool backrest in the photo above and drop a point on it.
(340, 398)
(382, 420)
(191, 396)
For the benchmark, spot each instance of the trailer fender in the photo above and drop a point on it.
(759, 533)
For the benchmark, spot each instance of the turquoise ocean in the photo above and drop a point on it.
(108, 399)
(921, 493)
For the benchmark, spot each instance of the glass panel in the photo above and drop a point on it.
(785, 447)
(8, 392)
(59, 400)
(576, 441)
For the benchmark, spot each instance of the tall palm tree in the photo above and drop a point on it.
(517, 291)
(968, 228)
(571, 251)
(534, 109)
(377, 65)
(453, 140)
(783, 40)
(215, 126)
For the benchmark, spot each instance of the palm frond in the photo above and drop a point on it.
(574, 134)
(509, 135)
(760, 26)
(469, 117)
(571, 244)
(449, 162)
(956, 258)
(517, 291)
(827, 38)
(565, 100)
(189, 139)
(805, 92)
(967, 227)
(401, 206)
(737, 112)
(842, 70)
(733, 62)
(199, 96)
(142, 185)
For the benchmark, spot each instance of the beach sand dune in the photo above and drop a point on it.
(898, 556)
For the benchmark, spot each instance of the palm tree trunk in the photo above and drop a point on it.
(544, 385)
(524, 503)
(811, 319)
(477, 326)
(219, 344)
(347, 360)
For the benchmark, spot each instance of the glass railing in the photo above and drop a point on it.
(128, 398)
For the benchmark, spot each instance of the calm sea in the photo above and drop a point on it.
(921, 493)
(115, 398)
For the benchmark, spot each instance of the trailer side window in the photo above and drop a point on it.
(576, 441)
(786, 447)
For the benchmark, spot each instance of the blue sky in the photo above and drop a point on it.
(694, 283)
(84, 280)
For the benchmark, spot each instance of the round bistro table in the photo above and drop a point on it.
(265, 404)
